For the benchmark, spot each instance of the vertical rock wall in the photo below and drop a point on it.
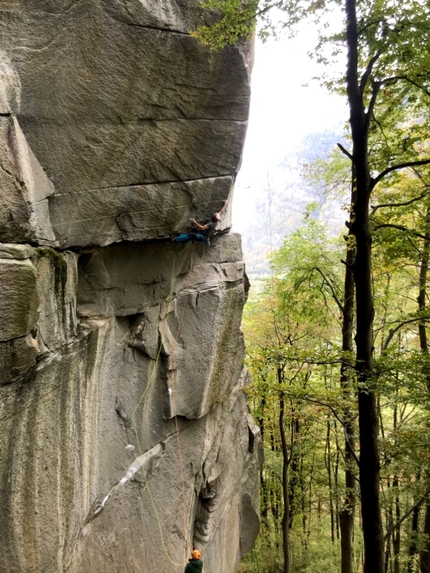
(125, 437)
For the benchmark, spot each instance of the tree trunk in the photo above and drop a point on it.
(425, 552)
(424, 263)
(367, 410)
(346, 516)
(396, 533)
(263, 482)
(330, 482)
(336, 485)
(310, 498)
(413, 549)
(303, 507)
(294, 473)
(389, 524)
(285, 485)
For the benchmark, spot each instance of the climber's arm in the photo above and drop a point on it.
(224, 207)
(201, 227)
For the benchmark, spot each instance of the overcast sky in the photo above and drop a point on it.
(286, 105)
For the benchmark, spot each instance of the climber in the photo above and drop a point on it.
(206, 229)
(195, 564)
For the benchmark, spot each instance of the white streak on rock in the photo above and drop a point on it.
(133, 468)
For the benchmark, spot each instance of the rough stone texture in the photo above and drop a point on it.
(127, 101)
(17, 358)
(125, 437)
(153, 364)
(19, 300)
(134, 213)
(202, 347)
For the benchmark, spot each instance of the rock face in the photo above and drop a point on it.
(125, 437)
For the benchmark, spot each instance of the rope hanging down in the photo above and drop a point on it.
(140, 403)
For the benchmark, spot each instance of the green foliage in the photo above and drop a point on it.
(235, 21)
(294, 325)
(294, 352)
(293, 328)
(331, 174)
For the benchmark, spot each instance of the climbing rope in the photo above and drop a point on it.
(181, 465)
(140, 403)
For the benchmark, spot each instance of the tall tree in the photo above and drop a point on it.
(387, 64)
(361, 268)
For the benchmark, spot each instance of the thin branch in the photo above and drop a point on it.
(344, 151)
(354, 455)
(368, 71)
(349, 265)
(405, 204)
(395, 168)
(393, 331)
(369, 25)
(399, 228)
(396, 525)
(308, 399)
(290, 380)
(413, 245)
(417, 85)
(267, 8)
(376, 86)
(381, 128)
(331, 287)
(395, 79)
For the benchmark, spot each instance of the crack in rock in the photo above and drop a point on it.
(146, 27)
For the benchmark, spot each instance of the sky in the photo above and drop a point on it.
(286, 105)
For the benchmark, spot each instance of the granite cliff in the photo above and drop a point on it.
(125, 437)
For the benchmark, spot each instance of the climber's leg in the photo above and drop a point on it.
(184, 238)
(202, 238)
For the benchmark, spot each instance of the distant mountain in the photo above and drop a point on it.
(276, 207)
